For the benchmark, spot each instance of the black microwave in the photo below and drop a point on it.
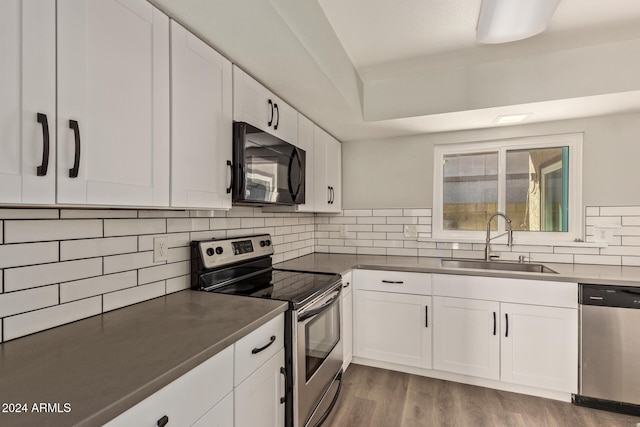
(266, 169)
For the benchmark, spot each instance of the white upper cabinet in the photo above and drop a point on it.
(27, 106)
(113, 103)
(305, 142)
(256, 105)
(327, 196)
(201, 132)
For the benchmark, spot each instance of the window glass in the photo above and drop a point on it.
(470, 190)
(536, 189)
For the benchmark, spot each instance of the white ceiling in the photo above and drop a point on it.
(330, 58)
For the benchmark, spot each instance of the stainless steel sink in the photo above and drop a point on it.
(496, 265)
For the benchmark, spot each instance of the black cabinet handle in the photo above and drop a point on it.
(73, 172)
(163, 421)
(258, 350)
(346, 285)
(42, 169)
(426, 316)
(275, 126)
(394, 282)
(494, 323)
(283, 371)
(271, 119)
(506, 332)
(332, 195)
(329, 193)
(230, 187)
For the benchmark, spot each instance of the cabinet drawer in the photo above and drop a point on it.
(393, 281)
(256, 348)
(187, 398)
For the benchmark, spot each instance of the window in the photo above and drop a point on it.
(535, 181)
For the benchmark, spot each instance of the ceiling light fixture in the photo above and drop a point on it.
(511, 119)
(503, 21)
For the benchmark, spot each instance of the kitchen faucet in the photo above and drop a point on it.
(509, 233)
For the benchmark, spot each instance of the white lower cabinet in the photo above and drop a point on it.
(258, 398)
(465, 337)
(347, 320)
(206, 396)
(393, 328)
(185, 400)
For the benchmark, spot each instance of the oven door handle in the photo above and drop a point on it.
(323, 307)
(333, 402)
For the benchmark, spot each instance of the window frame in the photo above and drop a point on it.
(501, 146)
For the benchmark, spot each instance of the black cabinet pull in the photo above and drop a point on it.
(333, 195)
(163, 421)
(258, 350)
(275, 126)
(271, 119)
(426, 316)
(494, 323)
(506, 332)
(394, 282)
(329, 193)
(230, 187)
(42, 169)
(283, 371)
(346, 285)
(73, 172)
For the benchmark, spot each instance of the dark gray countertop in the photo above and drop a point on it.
(105, 364)
(580, 273)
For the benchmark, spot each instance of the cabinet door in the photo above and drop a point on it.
(113, 103)
(393, 328)
(347, 320)
(466, 336)
(540, 348)
(334, 173)
(321, 191)
(27, 106)
(257, 399)
(220, 415)
(255, 104)
(201, 130)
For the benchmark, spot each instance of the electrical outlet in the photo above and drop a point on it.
(410, 231)
(160, 249)
(343, 231)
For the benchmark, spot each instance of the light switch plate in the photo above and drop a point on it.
(344, 231)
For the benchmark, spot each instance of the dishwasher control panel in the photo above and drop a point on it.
(610, 296)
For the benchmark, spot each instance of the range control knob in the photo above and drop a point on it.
(210, 251)
(219, 250)
(263, 243)
(268, 242)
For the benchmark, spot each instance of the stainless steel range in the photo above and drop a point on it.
(313, 346)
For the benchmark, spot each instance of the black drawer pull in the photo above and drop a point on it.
(163, 421)
(394, 282)
(506, 333)
(42, 169)
(426, 316)
(258, 350)
(73, 172)
(494, 323)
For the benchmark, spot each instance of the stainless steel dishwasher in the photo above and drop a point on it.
(610, 348)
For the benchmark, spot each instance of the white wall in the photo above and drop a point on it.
(398, 172)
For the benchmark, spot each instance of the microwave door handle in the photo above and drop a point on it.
(296, 156)
(316, 311)
(230, 187)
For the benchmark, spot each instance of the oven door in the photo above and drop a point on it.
(319, 354)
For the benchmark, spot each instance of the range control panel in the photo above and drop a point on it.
(217, 253)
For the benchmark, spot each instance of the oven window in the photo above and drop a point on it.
(322, 335)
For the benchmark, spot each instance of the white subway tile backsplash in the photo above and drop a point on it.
(39, 320)
(163, 272)
(177, 225)
(630, 240)
(31, 299)
(387, 212)
(43, 230)
(416, 212)
(598, 259)
(204, 235)
(545, 257)
(46, 274)
(17, 255)
(631, 261)
(630, 220)
(357, 212)
(163, 214)
(1, 233)
(29, 214)
(134, 295)
(402, 220)
(90, 248)
(604, 221)
(134, 227)
(371, 251)
(176, 284)
(402, 252)
(342, 250)
(620, 211)
(178, 254)
(574, 250)
(374, 220)
(388, 243)
(80, 289)
(592, 211)
(97, 213)
(621, 250)
(145, 243)
(252, 222)
(117, 263)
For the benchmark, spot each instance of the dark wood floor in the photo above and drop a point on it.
(373, 397)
